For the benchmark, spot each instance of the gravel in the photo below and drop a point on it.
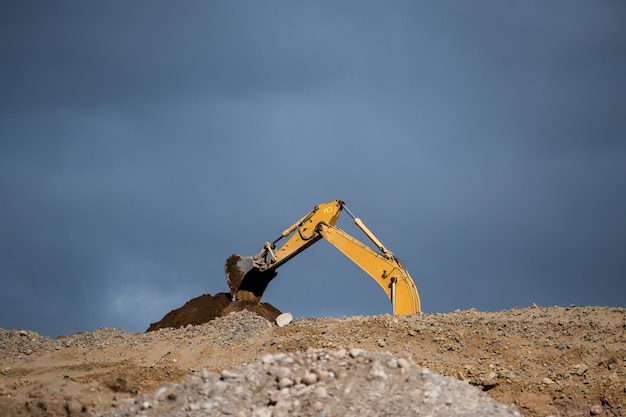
(318, 383)
(547, 361)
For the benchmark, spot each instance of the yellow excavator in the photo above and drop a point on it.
(249, 276)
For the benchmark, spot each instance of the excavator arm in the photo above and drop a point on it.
(385, 269)
(249, 276)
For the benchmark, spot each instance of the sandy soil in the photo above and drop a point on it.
(553, 361)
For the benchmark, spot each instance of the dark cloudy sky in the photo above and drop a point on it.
(141, 143)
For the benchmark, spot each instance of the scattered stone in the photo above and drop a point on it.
(378, 372)
(403, 363)
(508, 373)
(596, 410)
(262, 412)
(579, 369)
(320, 392)
(284, 319)
(309, 378)
(355, 352)
(285, 382)
(392, 363)
(226, 374)
(488, 383)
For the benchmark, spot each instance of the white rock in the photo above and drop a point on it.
(579, 369)
(262, 412)
(354, 352)
(284, 383)
(226, 374)
(309, 378)
(284, 319)
(403, 363)
(320, 392)
(392, 363)
(339, 354)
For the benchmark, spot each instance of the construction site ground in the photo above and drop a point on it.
(547, 361)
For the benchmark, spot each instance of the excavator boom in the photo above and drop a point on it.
(249, 276)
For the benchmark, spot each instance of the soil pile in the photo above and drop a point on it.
(556, 361)
(205, 308)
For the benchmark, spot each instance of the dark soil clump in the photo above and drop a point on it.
(205, 308)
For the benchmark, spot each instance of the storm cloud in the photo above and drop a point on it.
(141, 143)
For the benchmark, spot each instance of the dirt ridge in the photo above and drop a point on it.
(547, 361)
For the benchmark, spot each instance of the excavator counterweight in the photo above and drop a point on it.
(249, 276)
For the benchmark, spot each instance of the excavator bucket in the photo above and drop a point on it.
(246, 281)
(236, 268)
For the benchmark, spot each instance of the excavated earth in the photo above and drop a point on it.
(208, 358)
(205, 308)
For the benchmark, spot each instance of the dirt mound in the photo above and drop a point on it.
(205, 308)
(547, 361)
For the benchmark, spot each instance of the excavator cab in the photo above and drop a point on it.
(249, 276)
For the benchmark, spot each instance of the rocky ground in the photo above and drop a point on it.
(557, 361)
